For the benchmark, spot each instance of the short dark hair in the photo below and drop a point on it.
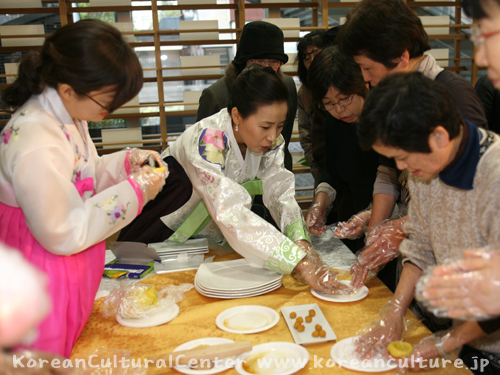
(256, 86)
(87, 55)
(474, 8)
(314, 38)
(333, 68)
(404, 109)
(382, 30)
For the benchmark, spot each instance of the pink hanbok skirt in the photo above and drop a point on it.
(73, 282)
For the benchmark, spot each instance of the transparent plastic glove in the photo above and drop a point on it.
(150, 181)
(389, 327)
(429, 348)
(360, 275)
(355, 227)
(9, 364)
(138, 158)
(316, 218)
(317, 274)
(382, 244)
(466, 289)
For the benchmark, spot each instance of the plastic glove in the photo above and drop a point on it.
(466, 289)
(389, 327)
(360, 274)
(138, 158)
(317, 274)
(430, 347)
(316, 214)
(355, 227)
(7, 364)
(150, 181)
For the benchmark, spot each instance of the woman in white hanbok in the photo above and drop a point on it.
(216, 165)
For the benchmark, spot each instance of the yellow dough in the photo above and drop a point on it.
(400, 349)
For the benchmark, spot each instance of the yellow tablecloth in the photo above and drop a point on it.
(197, 320)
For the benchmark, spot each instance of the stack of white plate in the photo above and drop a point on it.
(235, 279)
(168, 249)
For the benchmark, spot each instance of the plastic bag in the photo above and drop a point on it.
(141, 300)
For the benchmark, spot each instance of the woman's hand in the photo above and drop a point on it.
(468, 288)
(382, 244)
(139, 158)
(375, 337)
(424, 351)
(355, 227)
(316, 274)
(316, 214)
(150, 181)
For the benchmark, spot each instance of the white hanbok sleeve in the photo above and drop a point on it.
(41, 166)
(278, 185)
(111, 169)
(228, 203)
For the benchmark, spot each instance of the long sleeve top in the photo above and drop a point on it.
(210, 155)
(71, 198)
(444, 220)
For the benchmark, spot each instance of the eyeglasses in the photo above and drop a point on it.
(308, 56)
(275, 64)
(342, 103)
(96, 102)
(478, 38)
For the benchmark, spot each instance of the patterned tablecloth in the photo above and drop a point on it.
(197, 319)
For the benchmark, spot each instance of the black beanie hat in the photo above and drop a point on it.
(260, 40)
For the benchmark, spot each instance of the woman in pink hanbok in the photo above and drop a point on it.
(58, 199)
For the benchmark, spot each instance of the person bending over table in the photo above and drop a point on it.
(213, 166)
(369, 36)
(454, 179)
(349, 173)
(470, 287)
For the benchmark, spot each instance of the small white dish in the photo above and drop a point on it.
(306, 337)
(247, 319)
(343, 355)
(342, 298)
(155, 320)
(220, 365)
(278, 358)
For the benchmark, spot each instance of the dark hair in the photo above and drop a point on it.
(256, 86)
(333, 68)
(382, 30)
(474, 8)
(315, 39)
(404, 109)
(87, 55)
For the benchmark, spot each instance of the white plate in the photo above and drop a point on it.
(294, 358)
(154, 320)
(209, 341)
(247, 319)
(306, 337)
(343, 354)
(360, 294)
(268, 287)
(234, 275)
(168, 246)
(236, 295)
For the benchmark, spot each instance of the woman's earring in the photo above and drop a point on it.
(237, 127)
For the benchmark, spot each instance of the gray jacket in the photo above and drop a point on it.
(215, 97)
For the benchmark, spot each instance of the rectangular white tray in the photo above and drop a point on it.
(305, 337)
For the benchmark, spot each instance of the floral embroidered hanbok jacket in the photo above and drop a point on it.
(211, 158)
(43, 156)
(58, 202)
